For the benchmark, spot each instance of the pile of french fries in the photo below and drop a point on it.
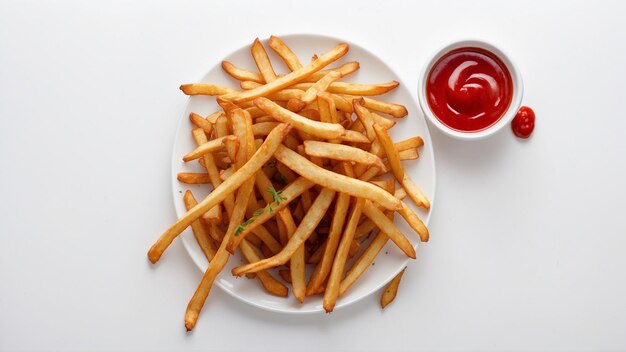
(303, 170)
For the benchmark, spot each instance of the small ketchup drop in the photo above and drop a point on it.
(524, 122)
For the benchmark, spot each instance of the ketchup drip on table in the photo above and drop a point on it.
(469, 89)
(524, 122)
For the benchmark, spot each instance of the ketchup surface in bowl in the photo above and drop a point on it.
(469, 89)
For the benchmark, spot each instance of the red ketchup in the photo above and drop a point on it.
(469, 89)
(524, 122)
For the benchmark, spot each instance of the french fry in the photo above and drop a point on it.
(345, 69)
(241, 74)
(201, 122)
(263, 128)
(306, 227)
(414, 221)
(320, 86)
(210, 165)
(398, 170)
(354, 137)
(262, 61)
(208, 147)
(341, 183)
(285, 53)
(213, 216)
(334, 280)
(395, 110)
(271, 143)
(342, 152)
(409, 143)
(408, 154)
(295, 105)
(383, 223)
(270, 284)
(365, 118)
(193, 178)
(289, 79)
(296, 263)
(200, 233)
(389, 294)
(314, 128)
(205, 89)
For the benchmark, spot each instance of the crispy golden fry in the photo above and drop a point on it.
(209, 164)
(285, 53)
(272, 142)
(389, 294)
(286, 95)
(296, 263)
(200, 233)
(355, 137)
(288, 194)
(354, 248)
(344, 69)
(365, 118)
(193, 178)
(213, 216)
(247, 85)
(414, 221)
(306, 227)
(334, 280)
(395, 110)
(295, 105)
(208, 147)
(383, 223)
(291, 78)
(232, 150)
(364, 229)
(327, 108)
(263, 128)
(341, 152)
(262, 61)
(387, 185)
(241, 74)
(320, 86)
(201, 122)
(354, 88)
(409, 154)
(414, 192)
(314, 128)
(382, 121)
(392, 154)
(341, 183)
(409, 143)
(270, 284)
(206, 89)
(398, 170)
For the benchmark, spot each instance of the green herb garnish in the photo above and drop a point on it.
(243, 226)
(276, 195)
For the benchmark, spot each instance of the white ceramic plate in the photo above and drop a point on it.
(373, 70)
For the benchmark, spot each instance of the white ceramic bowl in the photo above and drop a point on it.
(516, 101)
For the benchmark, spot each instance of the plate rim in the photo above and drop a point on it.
(340, 303)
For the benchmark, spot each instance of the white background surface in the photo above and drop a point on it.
(528, 239)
